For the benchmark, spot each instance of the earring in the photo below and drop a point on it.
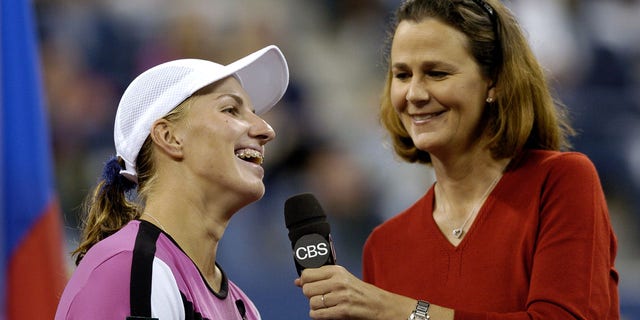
(489, 100)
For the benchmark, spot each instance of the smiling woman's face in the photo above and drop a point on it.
(223, 140)
(437, 88)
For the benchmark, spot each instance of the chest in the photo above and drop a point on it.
(494, 259)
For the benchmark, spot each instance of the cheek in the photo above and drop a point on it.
(471, 102)
(456, 95)
(397, 96)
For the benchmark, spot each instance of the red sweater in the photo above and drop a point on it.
(541, 247)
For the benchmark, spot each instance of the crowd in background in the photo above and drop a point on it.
(329, 141)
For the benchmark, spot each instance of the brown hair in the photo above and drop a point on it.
(110, 206)
(524, 113)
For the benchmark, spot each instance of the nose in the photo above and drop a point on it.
(417, 93)
(261, 130)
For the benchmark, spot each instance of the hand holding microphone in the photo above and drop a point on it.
(333, 292)
(311, 242)
(309, 232)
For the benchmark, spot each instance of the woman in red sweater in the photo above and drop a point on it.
(515, 227)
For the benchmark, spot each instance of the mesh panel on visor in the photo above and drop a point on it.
(157, 97)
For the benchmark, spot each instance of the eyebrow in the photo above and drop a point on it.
(426, 64)
(235, 97)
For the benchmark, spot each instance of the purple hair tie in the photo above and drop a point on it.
(112, 177)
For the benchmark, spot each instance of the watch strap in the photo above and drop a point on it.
(421, 312)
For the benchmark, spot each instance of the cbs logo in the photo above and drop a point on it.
(312, 251)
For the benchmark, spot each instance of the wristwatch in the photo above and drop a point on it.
(421, 312)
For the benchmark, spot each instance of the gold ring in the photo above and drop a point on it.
(322, 297)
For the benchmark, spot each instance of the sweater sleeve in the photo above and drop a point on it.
(573, 275)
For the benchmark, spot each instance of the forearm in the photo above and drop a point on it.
(400, 307)
(368, 302)
(334, 293)
(391, 305)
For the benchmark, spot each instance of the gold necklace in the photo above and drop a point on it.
(156, 220)
(459, 232)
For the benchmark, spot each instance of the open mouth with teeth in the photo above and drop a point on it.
(250, 155)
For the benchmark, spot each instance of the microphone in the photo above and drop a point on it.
(309, 232)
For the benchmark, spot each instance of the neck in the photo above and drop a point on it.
(468, 178)
(460, 196)
(196, 229)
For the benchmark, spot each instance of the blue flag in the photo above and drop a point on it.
(31, 242)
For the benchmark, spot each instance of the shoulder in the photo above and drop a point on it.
(105, 268)
(121, 241)
(404, 221)
(110, 252)
(547, 164)
(567, 180)
(99, 286)
(555, 160)
(554, 172)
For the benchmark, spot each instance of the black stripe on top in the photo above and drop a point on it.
(144, 252)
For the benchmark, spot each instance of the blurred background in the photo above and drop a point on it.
(329, 141)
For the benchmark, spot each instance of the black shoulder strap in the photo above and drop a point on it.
(141, 272)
